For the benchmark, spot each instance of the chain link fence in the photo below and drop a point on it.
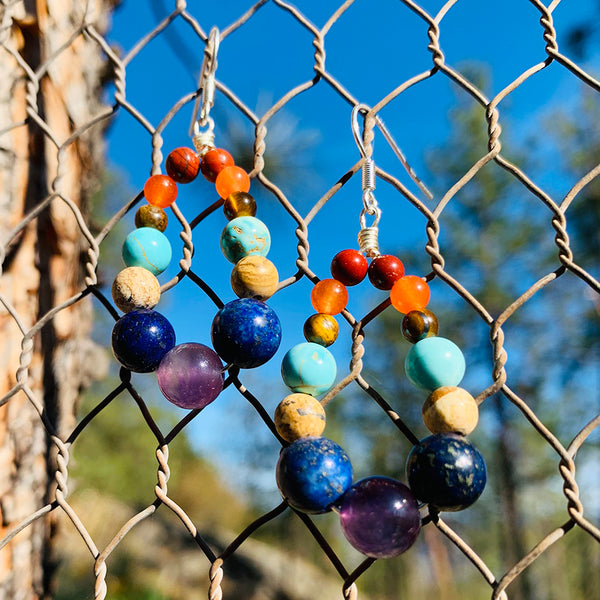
(318, 76)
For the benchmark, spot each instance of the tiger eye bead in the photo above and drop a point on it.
(160, 190)
(232, 179)
(409, 293)
(182, 165)
(239, 204)
(321, 329)
(254, 276)
(213, 162)
(151, 216)
(329, 296)
(419, 324)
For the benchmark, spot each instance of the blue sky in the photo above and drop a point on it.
(373, 48)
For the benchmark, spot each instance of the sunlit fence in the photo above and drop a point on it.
(209, 46)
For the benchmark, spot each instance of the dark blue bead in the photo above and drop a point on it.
(447, 471)
(246, 333)
(312, 473)
(141, 338)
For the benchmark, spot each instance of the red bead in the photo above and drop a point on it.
(349, 267)
(410, 293)
(384, 271)
(214, 161)
(182, 165)
(232, 179)
(160, 190)
(329, 297)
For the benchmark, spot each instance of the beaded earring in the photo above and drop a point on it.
(379, 515)
(245, 332)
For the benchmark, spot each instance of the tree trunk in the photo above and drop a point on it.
(41, 263)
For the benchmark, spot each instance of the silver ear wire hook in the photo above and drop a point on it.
(368, 235)
(202, 129)
(364, 109)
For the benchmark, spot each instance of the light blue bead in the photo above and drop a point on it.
(148, 248)
(434, 362)
(308, 368)
(245, 236)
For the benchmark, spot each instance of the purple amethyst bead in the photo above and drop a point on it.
(380, 517)
(190, 375)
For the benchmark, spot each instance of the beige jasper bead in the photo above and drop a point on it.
(299, 416)
(135, 287)
(254, 277)
(450, 410)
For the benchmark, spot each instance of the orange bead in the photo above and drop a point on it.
(232, 179)
(329, 297)
(213, 162)
(160, 190)
(409, 293)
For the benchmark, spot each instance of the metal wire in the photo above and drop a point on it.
(30, 332)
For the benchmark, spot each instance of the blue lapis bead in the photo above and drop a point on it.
(434, 362)
(245, 236)
(313, 473)
(308, 368)
(141, 338)
(246, 332)
(446, 471)
(148, 248)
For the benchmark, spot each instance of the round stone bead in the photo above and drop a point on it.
(148, 248)
(349, 267)
(308, 368)
(329, 296)
(419, 324)
(450, 410)
(135, 287)
(312, 473)
(380, 517)
(182, 165)
(384, 271)
(409, 293)
(151, 216)
(245, 236)
(232, 179)
(190, 375)
(160, 190)
(299, 416)
(141, 338)
(254, 277)
(446, 471)
(214, 161)
(434, 362)
(239, 204)
(246, 333)
(321, 329)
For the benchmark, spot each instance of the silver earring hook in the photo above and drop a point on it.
(358, 138)
(202, 129)
(368, 235)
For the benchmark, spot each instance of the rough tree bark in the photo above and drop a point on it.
(42, 261)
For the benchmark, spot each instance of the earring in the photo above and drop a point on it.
(245, 332)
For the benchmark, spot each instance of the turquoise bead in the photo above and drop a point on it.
(308, 368)
(434, 362)
(148, 248)
(245, 236)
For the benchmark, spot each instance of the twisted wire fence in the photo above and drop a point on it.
(191, 266)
